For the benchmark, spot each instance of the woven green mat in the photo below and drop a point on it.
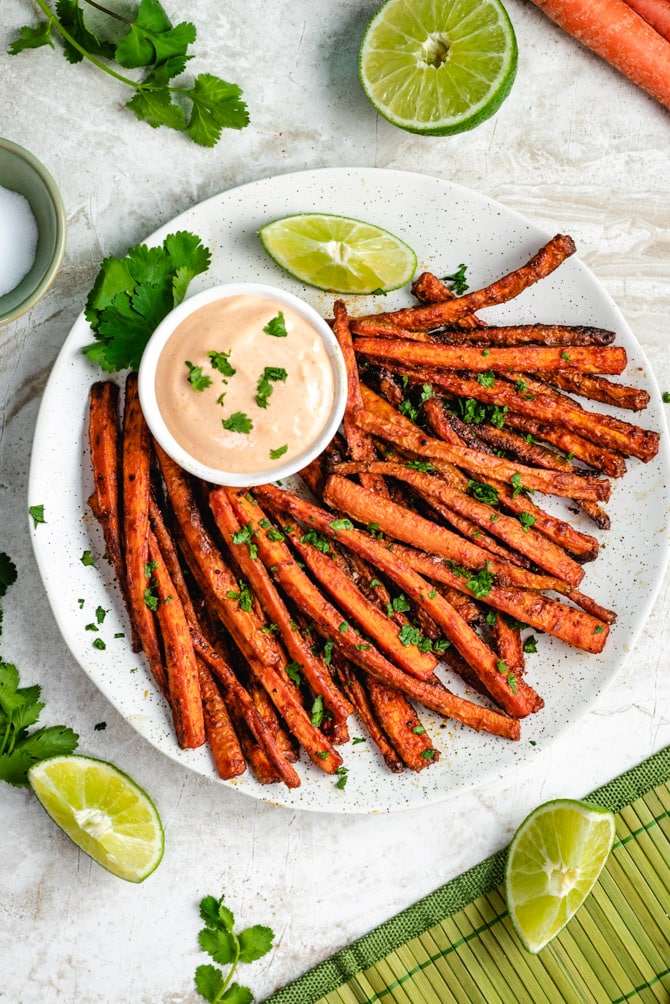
(457, 944)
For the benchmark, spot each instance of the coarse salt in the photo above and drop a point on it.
(18, 239)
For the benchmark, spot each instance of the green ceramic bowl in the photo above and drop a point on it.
(21, 172)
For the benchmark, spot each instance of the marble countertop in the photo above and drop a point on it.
(577, 149)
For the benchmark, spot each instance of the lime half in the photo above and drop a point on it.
(438, 66)
(338, 253)
(104, 812)
(554, 861)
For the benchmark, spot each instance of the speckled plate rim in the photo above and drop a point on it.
(446, 224)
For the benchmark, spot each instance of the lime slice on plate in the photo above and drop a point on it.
(553, 862)
(104, 812)
(338, 253)
(438, 66)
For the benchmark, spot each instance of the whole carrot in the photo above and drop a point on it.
(614, 31)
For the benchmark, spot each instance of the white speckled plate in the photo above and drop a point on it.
(446, 225)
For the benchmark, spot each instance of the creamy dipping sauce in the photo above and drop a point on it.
(245, 383)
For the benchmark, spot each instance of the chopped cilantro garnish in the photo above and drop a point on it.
(279, 452)
(220, 362)
(197, 379)
(36, 512)
(270, 375)
(276, 326)
(238, 422)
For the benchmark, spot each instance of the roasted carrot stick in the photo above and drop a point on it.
(512, 695)
(543, 263)
(232, 510)
(370, 620)
(599, 388)
(136, 491)
(619, 35)
(104, 437)
(498, 359)
(526, 541)
(484, 465)
(263, 654)
(221, 736)
(357, 694)
(402, 725)
(180, 660)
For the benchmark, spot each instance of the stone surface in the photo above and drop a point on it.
(576, 148)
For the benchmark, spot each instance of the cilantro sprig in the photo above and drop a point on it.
(131, 295)
(151, 43)
(21, 747)
(228, 948)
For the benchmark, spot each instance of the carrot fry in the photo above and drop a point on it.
(229, 512)
(516, 698)
(180, 660)
(245, 626)
(509, 644)
(104, 437)
(136, 460)
(360, 445)
(599, 388)
(401, 724)
(543, 263)
(559, 483)
(580, 628)
(528, 358)
(370, 620)
(618, 34)
(358, 696)
(541, 551)
(221, 736)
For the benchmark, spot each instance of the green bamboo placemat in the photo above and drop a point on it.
(457, 944)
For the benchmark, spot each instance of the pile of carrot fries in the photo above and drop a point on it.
(416, 551)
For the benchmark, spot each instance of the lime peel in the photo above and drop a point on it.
(103, 811)
(553, 862)
(438, 67)
(338, 253)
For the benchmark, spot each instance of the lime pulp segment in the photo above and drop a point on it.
(438, 66)
(103, 811)
(553, 862)
(338, 253)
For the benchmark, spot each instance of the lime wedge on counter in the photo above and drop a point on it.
(104, 812)
(553, 862)
(438, 66)
(338, 253)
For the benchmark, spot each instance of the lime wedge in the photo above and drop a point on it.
(438, 66)
(338, 253)
(104, 812)
(554, 861)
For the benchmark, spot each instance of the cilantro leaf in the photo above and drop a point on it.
(219, 943)
(72, 19)
(152, 43)
(198, 380)
(8, 573)
(36, 513)
(264, 385)
(276, 326)
(238, 422)
(31, 38)
(131, 295)
(216, 105)
(209, 983)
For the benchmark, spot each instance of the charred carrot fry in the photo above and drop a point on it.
(580, 628)
(369, 618)
(231, 511)
(263, 654)
(509, 644)
(512, 695)
(221, 736)
(481, 464)
(136, 490)
(525, 540)
(543, 263)
(104, 437)
(402, 725)
(358, 696)
(527, 358)
(599, 388)
(180, 660)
